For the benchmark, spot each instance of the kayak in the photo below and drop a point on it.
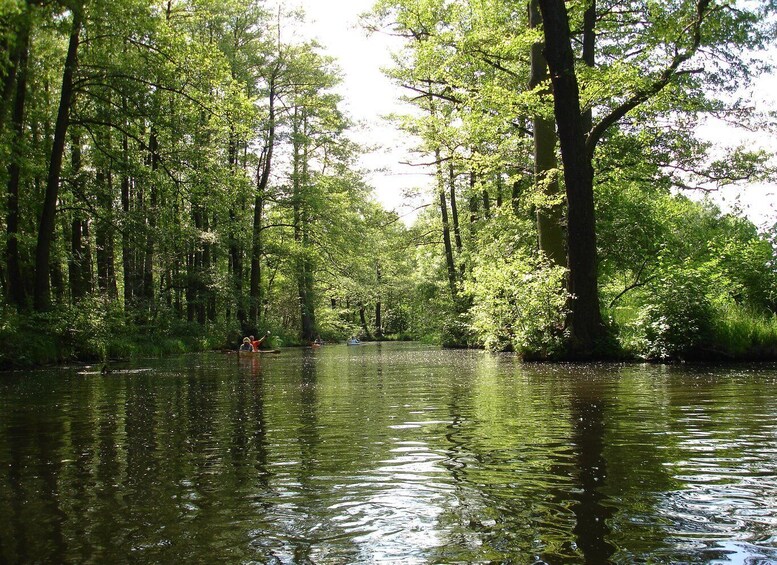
(354, 342)
(260, 352)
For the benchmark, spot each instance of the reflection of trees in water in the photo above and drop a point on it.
(30, 497)
(503, 437)
(587, 414)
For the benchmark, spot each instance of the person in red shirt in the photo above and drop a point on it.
(257, 342)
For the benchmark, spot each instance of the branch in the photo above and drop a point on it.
(645, 94)
(636, 284)
(424, 93)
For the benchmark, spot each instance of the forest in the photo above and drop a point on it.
(181, 173)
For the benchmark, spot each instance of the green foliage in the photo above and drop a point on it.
(519, 304)
(676, 319)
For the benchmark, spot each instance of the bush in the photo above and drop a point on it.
(519, 304)
(676, 321)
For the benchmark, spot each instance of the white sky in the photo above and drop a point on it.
(369, 96)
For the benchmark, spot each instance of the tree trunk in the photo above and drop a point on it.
(151, 212)
(378, 313)
(127, 263)
(549, 217)
(106, 271)
(16, 48)
(80, 267)
(454, 208)
(210, 264)
(235, 253)
(46, 226)
(263, 178)
(473, 202)
(446, 232)
(455, 218)
(304, 268)
(363, 320)
(585, 322)
(15, 281)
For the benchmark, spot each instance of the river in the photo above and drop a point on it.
(388, 453)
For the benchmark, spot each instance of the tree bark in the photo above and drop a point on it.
(363, 320)
(151, 222)
(42, 286)
(104, 231)
(454, 208)
(455, 218)
(300, 183)
(128, 270)
(446, 232)
(585, 322)
(79, 267)
(550, 229)
(378, 312)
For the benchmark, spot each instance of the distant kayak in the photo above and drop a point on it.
(353, 342)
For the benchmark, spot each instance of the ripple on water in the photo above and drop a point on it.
(390, 454)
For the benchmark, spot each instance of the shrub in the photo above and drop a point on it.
(519, 303)
(677, 318)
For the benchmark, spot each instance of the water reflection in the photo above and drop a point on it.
(388, 454)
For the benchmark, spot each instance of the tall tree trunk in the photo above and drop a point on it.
(455, 218)
(549, 217)
(363, 320)
(263, 178)
(127, 263)
(378, 313)
(446, 231)
(301, 227)
(454, 208)
(106, 270)
(211, 263)
(46, 226)
(15, 282)
(585, 320)
(235, 253)
(151, 222)
(486, 203)
(16, 47)
(191, 287)
(80, 266)
(473, 202)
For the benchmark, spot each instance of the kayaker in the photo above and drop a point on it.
(257, 342)
(246, 345)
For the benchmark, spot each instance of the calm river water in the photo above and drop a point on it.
(390, 453)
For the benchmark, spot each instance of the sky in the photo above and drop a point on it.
(369, 96)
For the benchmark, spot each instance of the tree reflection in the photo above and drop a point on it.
(587, 414)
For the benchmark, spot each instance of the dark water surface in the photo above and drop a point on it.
(388, 453)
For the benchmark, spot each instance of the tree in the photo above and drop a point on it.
(46, 225)
(585, 321)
